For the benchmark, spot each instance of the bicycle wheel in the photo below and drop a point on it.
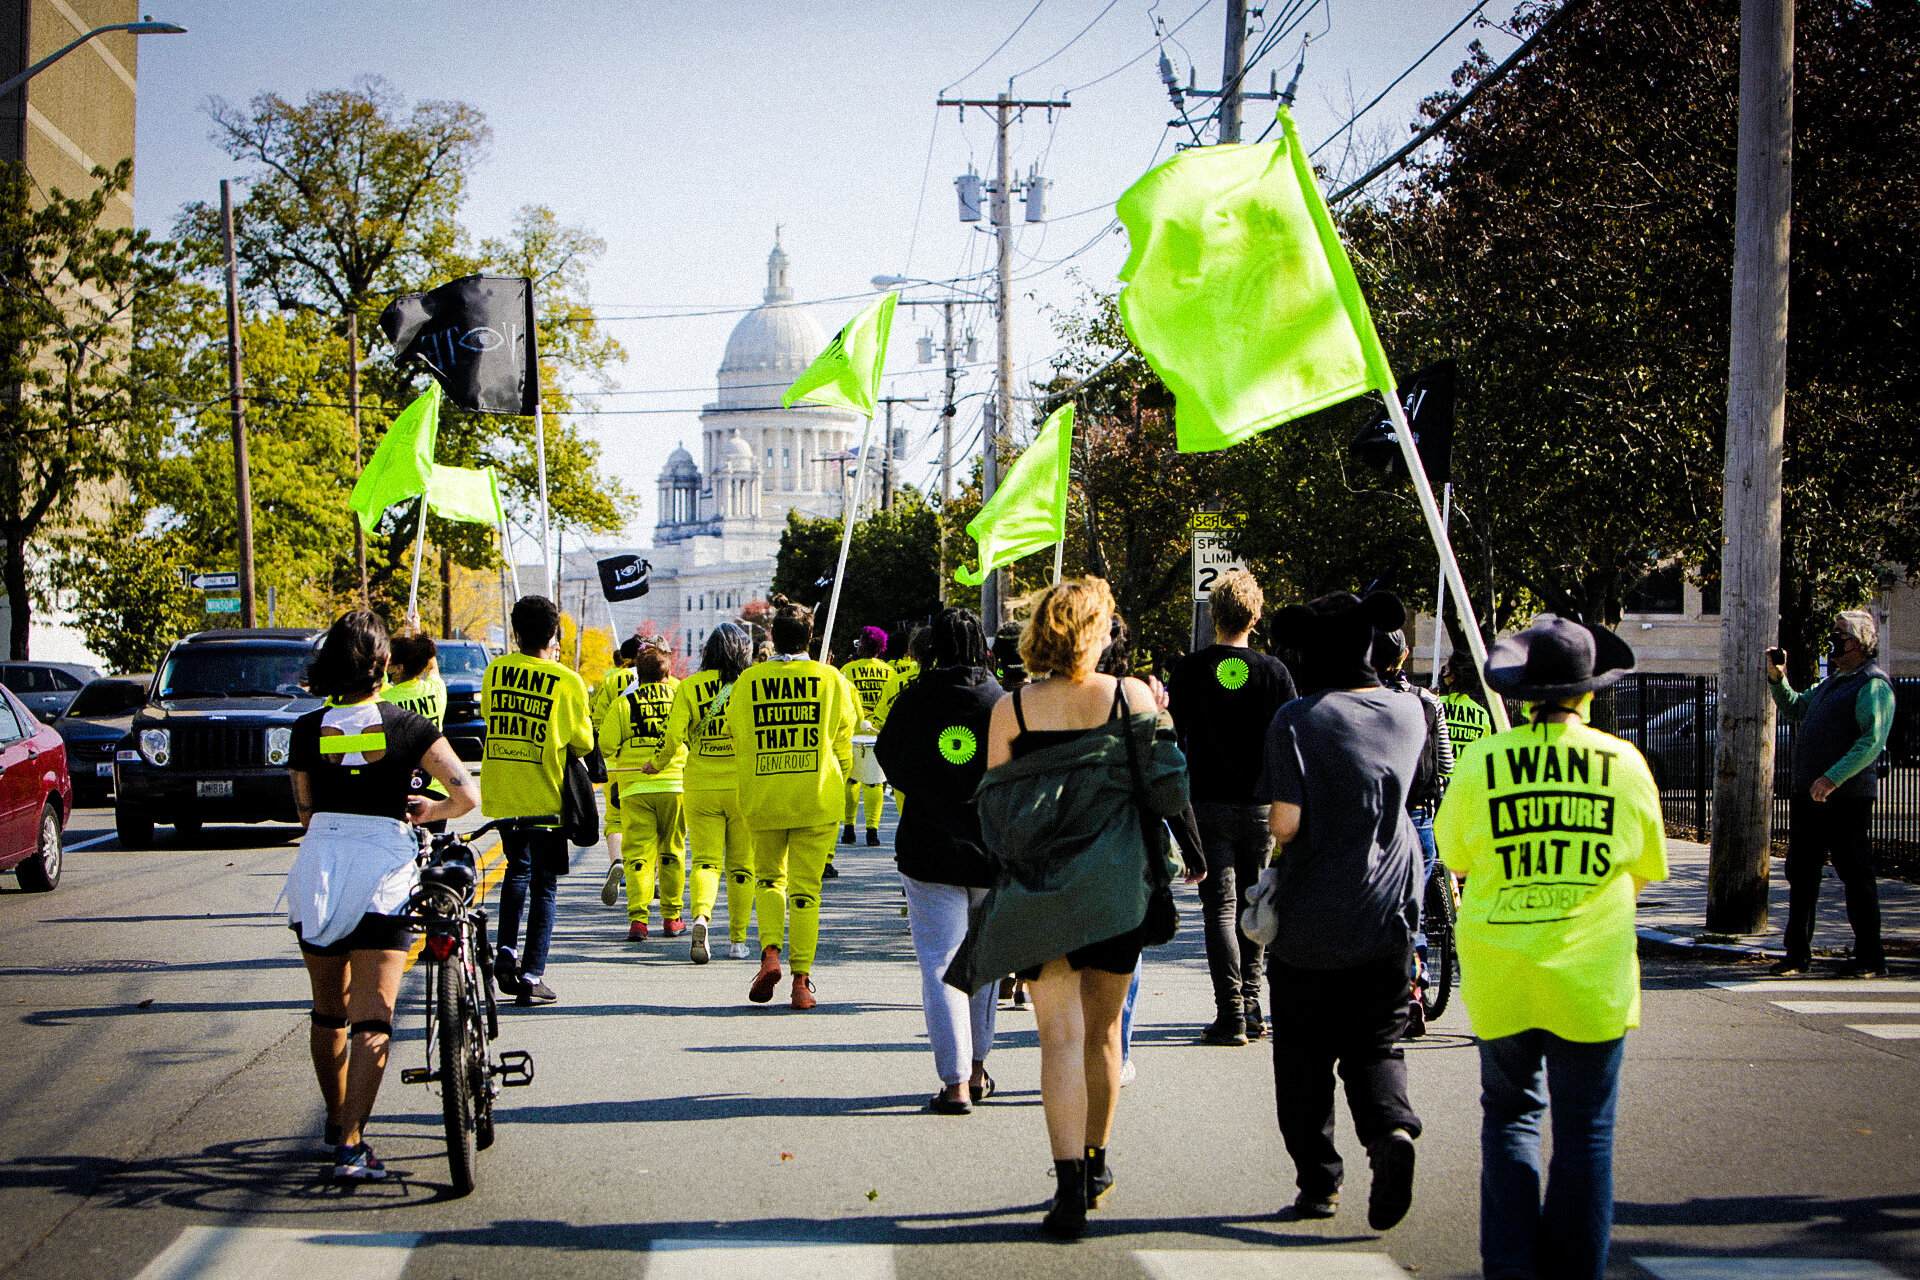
(456, 1072)
(480, 1077)
(1443, 961)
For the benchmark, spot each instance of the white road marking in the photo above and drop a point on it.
(1767, 1269)
(88, 844)
(1849, 1006)
(1267, 1264)
(766, 1260)
(281, 1253)
(1864, 986)
(1888, 1030)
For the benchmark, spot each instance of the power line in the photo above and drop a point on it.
(1355, 118)
(1158, 38)
(1068, 45)
(1003, 44)
(920, 206)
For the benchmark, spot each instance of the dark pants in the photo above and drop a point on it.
(531, 853)
(1566, 1237)
(1836, 829)
(1350, 1017)
(1235, 840)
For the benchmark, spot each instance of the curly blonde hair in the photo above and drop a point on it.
(1067, 628)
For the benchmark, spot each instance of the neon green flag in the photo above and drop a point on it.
(1239, 292)
(1028, 512)
(400, 468)
(848, 371)
(465, 493)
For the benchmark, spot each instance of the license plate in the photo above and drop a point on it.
(213, 790)
(103, 770)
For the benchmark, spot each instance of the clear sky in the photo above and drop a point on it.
(683, 134)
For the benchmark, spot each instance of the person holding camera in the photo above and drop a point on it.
(1843, 723)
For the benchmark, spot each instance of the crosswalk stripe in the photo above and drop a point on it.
(1850, 1006)
(1267, 1264)
(1767, 1269)
(1861, 986)
(281, 1253)
(766, 1260)
(1888, 1030)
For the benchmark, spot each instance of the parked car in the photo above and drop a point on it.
(36, 796)
(1681, 762)
(46, 687)
(462, 664)
(211, 743)
(93, 726)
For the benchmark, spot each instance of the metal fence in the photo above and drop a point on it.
(1673, 720)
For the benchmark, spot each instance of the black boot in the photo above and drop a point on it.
(1067, 1219)
(1099, 1177)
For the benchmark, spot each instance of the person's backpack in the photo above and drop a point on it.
(1427, 782)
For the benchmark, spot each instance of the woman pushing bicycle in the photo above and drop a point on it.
(352, 762)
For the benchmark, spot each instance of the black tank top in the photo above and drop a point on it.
(1028, 741)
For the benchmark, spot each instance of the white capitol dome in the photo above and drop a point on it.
(771, 346)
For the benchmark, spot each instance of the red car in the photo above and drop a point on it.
(36, 796)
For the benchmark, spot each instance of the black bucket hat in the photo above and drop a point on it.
(1555, 659)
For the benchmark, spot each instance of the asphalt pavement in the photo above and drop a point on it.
(161, 1120)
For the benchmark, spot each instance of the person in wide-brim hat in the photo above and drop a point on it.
(1556, 659)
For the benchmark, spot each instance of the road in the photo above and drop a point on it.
(162, 1123)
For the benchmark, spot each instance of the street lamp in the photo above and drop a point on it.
(145, 27)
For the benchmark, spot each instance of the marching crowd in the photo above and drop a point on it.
(1047, 800)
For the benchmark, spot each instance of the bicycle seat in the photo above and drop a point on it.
(457, 876)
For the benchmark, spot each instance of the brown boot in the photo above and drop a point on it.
(768, 978)
(803, 997)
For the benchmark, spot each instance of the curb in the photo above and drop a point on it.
(1680, 944)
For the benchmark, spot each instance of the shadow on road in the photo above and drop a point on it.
(1827, 1225)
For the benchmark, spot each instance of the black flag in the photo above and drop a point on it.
(624, 577)
(1427, 398)
(475, 335)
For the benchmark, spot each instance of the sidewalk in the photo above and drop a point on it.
(1674, 912)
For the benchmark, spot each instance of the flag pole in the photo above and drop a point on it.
(847, 515)
(1440, 594)
(1061, 493)
(1449, 566)
(546, 518)
(507, 574)
(419, 546)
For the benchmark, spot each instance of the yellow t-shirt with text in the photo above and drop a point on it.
(536, 712)
(631, 731)
(1551, 825)
(697, 722)
(869, 678)
(792, 724)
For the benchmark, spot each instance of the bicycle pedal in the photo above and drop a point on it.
(515, 1069)
(417, 1075)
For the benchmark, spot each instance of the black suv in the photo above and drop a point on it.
(211, 743)
(463, 664)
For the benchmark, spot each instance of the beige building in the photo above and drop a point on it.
(78, 113)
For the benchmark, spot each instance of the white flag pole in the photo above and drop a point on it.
(1449, 566)
(546, 516)
(1440, 594)
(419, 546)
(847, 516)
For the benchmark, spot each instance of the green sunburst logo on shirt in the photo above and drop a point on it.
(957, 744)
(1232, 673)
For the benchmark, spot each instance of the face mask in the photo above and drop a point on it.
(1837, 646)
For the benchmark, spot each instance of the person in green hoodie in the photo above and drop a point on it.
(651, 814)
(536, 713)
(792, 722)
(614, 684)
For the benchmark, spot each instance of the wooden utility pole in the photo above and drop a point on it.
(1232, 65)
(353, 410)
(1756, 440)
(887, 475)
(236, 394)
(946, 450)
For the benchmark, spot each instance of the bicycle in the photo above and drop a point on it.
(1437, 915)
(462, 1018)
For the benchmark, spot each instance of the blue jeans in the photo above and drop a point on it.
(526, 879)
(1567, 1237)
(1429, 854)
(1126, 1014)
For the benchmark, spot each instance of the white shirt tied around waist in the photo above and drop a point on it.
(349, 864)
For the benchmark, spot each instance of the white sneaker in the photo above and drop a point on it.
(610, 891)
(1126, 1073)
(739, 951)
(700, 954)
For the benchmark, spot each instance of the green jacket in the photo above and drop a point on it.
(1063, 825)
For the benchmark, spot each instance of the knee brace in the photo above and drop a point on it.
(373, 1027)
(327, 1020)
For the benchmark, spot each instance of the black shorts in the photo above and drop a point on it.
(1119, 954)
(374, 933)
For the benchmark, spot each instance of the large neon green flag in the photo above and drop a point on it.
(848, 371)
(1028, 512)
(1239, 292)
(401, 467)
(465, 493)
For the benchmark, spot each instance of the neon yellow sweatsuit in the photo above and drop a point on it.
(869, 678)
(717, 836)
(651, 815)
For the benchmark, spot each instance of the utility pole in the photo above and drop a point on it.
(1232, 64)
(1756, 441)
(353, 411)
(886, 458)
(946, 448)
(993, 591)
(242, 472)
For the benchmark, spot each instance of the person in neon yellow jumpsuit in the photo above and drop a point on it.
(651, 814)
(870, 675)
(614, 684)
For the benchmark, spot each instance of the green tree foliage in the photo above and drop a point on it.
(131, 602)
(71, 290)
(892, 569)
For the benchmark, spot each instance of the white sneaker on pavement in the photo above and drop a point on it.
(610, 891)
(739, 951)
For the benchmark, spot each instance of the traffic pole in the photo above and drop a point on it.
(236, 393)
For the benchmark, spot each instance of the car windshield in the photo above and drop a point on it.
(108, 698)
(462, 660)
(235, 671)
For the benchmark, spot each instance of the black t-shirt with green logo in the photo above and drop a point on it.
(1223, 699)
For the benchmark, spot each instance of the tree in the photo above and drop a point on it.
(71, 288)
(130, 601)
(892, 568)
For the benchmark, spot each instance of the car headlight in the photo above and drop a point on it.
(279, 745)
(156, 745)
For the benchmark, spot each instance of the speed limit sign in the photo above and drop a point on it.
(1211, 557)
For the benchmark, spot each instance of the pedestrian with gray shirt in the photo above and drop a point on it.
(1337, 902)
